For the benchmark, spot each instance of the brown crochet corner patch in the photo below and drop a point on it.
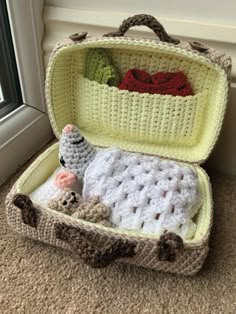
(29, 214)
(92, 255)
(169, 246)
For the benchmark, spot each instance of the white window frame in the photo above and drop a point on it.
(27, 128)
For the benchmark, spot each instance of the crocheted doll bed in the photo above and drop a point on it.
(173, 127)
(144, 193)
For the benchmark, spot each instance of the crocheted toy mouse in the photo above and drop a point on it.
(71, 203)
(66, 202)
(145, 193)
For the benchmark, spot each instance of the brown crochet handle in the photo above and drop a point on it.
(92, 255)
(144, 20)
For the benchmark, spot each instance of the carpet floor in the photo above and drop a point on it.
(36, 278)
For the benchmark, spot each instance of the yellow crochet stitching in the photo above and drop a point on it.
(46, 163)
(141, 118)
(184, 128)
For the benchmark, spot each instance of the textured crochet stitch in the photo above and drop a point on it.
(99, 67)
(71, 203)
(64, 179)
(66, 202)
(145, 193)
(181, 128)
(164, 83)
(75, 153)
(93, 211)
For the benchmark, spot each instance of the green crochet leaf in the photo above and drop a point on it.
(99, 68)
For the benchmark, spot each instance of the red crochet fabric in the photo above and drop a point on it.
(164, 83)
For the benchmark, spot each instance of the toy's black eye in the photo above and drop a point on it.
(73, 193)
(62, 161)
(64, 203)
(78, 142)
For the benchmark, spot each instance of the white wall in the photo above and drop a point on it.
(211, 22)
(213, 11)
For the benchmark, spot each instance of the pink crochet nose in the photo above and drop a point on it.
(69, 128)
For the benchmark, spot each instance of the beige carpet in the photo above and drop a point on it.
(36, 278)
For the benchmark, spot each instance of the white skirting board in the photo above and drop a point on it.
(64, 18)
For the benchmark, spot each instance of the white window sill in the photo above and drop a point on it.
(23, 132)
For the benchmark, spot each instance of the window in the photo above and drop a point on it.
(24, 123)
(10, 93)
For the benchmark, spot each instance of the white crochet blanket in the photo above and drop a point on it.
(145, 193)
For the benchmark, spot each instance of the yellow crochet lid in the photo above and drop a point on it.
(176, 127)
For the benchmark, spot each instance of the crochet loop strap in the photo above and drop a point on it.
(94, 256)
(144, 20)
(169, 246)
(30, 215)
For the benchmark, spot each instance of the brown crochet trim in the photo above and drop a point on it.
(95, 257)
(169, 246)
(145, 20)
(29, 214)
(78, 36)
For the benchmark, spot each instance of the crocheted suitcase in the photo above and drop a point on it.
(180, 128)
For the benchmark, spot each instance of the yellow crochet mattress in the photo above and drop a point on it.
(45, 165)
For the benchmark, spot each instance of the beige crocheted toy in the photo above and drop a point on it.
(93, 211)
(66, 202)
(70, 203)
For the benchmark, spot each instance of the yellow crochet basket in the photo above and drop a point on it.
(174, 127)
